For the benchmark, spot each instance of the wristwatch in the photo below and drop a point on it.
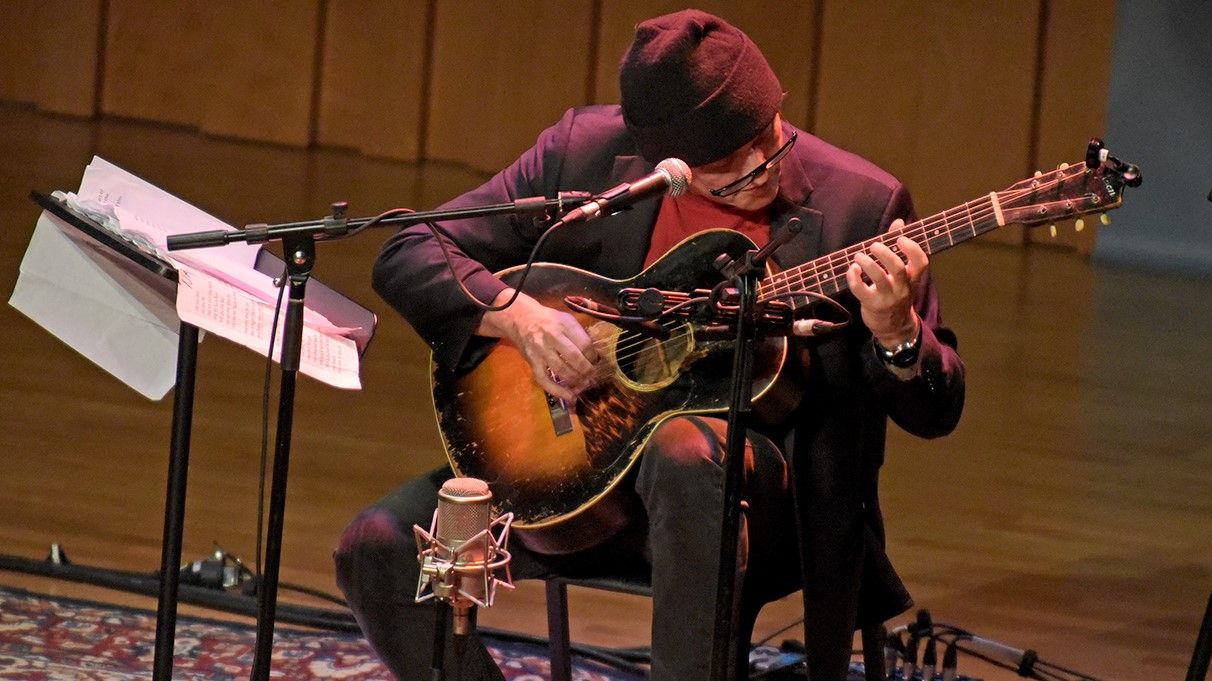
(904, 354)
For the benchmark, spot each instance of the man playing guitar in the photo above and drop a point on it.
(695, 88)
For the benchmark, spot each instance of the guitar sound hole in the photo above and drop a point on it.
(646, 363)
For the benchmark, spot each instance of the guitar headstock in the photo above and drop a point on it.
(1071, 191)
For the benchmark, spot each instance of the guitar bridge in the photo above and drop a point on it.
(561, 417)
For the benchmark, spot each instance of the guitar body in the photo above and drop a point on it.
(558, 467)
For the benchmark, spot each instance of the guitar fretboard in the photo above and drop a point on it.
(827, 275)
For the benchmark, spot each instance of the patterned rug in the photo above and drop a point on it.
(50, 639)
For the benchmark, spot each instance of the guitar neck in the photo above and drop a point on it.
(827, 275)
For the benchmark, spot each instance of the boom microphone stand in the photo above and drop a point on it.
(299, 247)
(746, 271)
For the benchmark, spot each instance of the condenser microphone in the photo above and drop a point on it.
(460, 555)
(672, 176)
(463, 515)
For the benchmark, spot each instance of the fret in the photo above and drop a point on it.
(971, 222)
(945, 229)
(924, 240)
(830, 278)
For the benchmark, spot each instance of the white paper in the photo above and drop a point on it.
(222, 308)
(93, 305)
(156, 213)
(128, 328)
(220, 290)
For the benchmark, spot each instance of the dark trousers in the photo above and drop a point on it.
(679, 484)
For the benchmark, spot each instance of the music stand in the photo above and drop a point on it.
(160, 275)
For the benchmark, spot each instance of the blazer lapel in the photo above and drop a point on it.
(620, 257)
(795, 191)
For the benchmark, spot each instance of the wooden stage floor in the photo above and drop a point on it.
(1070, 513)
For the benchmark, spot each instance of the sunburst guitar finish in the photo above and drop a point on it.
(558, 467)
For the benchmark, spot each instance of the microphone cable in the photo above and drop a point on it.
(280, 282)
(263, 468)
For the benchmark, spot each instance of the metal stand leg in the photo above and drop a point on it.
(558, 640)
(300, 257)
(174, 503)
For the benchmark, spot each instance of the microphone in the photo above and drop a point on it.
(672, 176)
(807, 328)
(459, 555)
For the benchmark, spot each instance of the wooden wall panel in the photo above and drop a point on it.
(155, 66)
(18, 55)
(66, 56)
(371, 87)
(47, 61)
(941, 95)
(782, 29)
(503, 72)
(237, 69)
(264, 60)
(1073, 96)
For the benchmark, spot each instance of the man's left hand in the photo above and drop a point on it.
(887, 302)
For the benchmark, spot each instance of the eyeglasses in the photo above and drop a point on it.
(743, 181)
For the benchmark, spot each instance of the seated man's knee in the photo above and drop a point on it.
(684, 441)
(373, 550)
(372, 527)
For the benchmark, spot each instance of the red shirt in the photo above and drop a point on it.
(682, 216)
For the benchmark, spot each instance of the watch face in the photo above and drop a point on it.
(903, 355)
(903, 358)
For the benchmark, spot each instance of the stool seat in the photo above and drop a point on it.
(635, 585)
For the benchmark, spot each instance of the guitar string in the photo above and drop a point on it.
(800, 276)
(1007, 198)
(920, 228)
(826, 268)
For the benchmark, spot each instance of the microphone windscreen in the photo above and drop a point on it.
(463, 510)
(679, 175)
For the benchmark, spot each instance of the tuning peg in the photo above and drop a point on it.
(1079, 224)
(1104, 218)
(1063, 166)
(1096, 153)
(1052, 230)
(1039, 173)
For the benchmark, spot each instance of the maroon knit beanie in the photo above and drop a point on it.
(695, 87)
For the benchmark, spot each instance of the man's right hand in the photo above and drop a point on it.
(559, 350)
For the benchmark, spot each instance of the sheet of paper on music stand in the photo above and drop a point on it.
(99, 309)
(226, 294)
(144, 209)
(219, 306)
(229, 296)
